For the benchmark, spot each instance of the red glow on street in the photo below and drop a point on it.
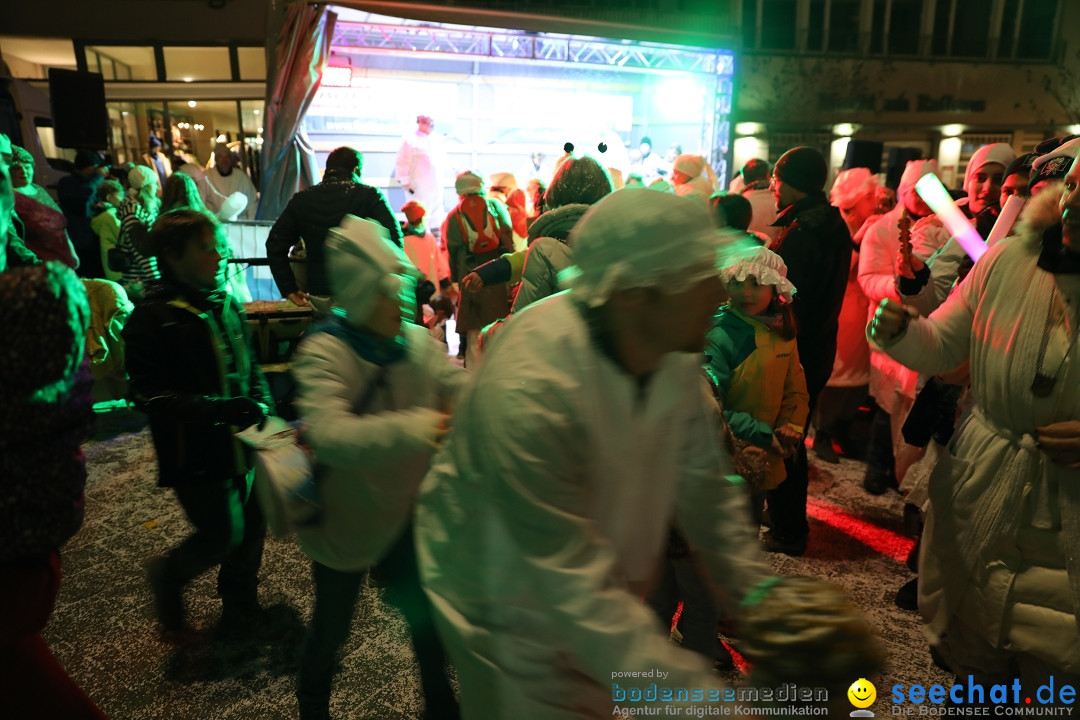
(885, 542)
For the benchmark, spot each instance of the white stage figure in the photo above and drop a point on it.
(420, 166)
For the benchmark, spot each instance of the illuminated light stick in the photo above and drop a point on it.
(937, 197)
(1009, 211)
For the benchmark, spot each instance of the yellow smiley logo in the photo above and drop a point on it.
(862, 693)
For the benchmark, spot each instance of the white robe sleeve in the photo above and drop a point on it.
(713, 510)
(403, 163)
(538, 450)
(877, 257)
(338, 436)
(941, 342)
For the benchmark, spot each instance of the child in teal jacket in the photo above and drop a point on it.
(752, 358)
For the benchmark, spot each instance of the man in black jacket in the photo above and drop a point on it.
(309, 216)
(189, 359)
(815, 244)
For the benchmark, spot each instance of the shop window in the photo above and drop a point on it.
(189, 64)
(196, 129)
(251, 130)
(252, 63)
(122, 62)
(31, 58)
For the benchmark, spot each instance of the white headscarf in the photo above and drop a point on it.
(914, 170)
(363, 263)
(641, 239)
(1001, 153)
(851, 186)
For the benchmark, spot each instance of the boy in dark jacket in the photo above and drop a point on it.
(192, 373)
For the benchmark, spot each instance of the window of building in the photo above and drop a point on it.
(815, 35)
(1037, 29)
(197, 63)
(778, 24)
(1007, 39)
(121, 62)
(939, 44)
(877, 28)
(749, 24)
(905, 25)
(844, 26)
(128, 138)
(31, 58)
(251, 134)
(195, 130)
(971, 29)
(252, 63)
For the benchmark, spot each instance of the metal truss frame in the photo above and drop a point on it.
(574, 50)
(524, 46)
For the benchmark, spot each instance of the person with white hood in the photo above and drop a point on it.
(374, 392)
(891, 385)
(693, 176)
(982, 179)
(926, 284)
(226, 179)
(586, 430)
(855, 194)
(999, 584)
(419, 167)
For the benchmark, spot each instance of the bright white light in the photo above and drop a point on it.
(747, 148)
(255, 111)
(952, 130)
(682, 93)
(124, 113)
(1074, 129)
(221, 138)
(749, 128)
(259, 141)
(937, 197)
(844, 129)
(259, 130)
(187, 79)
(191, 103)
(334, 76)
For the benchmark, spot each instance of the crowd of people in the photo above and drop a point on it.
(644, 367)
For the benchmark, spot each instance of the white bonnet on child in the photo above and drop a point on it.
(762, 263)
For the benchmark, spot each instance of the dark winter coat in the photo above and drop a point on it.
(815, 244)
(177, 344)
(312, 213)
(46, 410)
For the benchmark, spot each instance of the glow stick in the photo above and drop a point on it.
(1005, 220)
(937, 197)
